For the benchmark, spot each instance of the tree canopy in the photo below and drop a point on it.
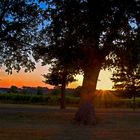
(88, 35)
(59, 76)
(127, 73)
(82, 31)
(19, 20)
(55, 77)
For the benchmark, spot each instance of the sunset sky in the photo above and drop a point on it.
(34, 79)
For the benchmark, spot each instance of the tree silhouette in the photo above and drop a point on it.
(13, 89)
(127, 80)
(19, 20)
(59, 76)
(126, 76)
(88, 35)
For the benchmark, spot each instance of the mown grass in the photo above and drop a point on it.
(28, 122)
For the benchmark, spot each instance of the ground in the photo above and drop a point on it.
(34, 122)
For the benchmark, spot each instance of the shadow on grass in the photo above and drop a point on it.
(47, 123)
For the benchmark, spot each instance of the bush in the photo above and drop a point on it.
(70, 100)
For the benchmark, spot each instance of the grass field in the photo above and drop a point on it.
(34, 122)
(102, 100)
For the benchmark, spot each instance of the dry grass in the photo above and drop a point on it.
(23, 122)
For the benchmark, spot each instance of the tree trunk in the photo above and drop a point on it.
(134, 100)
(62, 100)
(86, 112)
(63, 88)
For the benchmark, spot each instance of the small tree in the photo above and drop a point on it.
(127, 80)
(13, 89)
(126, 76)
(59, 76)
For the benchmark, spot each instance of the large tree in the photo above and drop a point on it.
(85, 34)
(88, 35)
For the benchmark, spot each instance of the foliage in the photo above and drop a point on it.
(21, 98)
(77, 91)
(39, 91)
(13, 89)
(70, 100)
(81, 35)
(127, 79)
(78, 34)
(57, 75)
(89, 35)
(126, 76)
(56, 92)
(81, 31)
(19, 21)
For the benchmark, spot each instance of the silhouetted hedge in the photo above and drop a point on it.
(21, 98)
(70, 100)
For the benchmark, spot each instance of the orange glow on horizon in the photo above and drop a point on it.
(31, 79)
(35, 79)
